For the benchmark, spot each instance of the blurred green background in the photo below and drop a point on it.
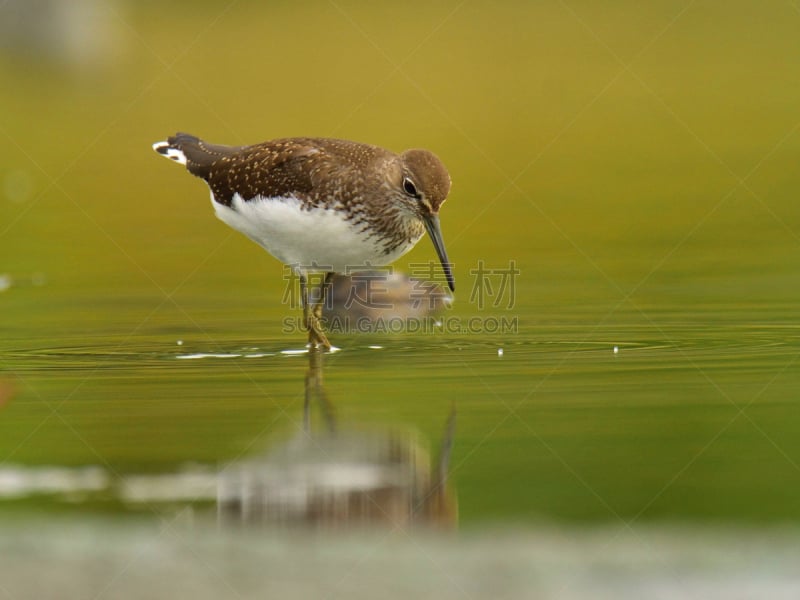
(637, 161)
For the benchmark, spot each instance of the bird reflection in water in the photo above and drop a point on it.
(328, 476)
(333, 478)
(367, 300)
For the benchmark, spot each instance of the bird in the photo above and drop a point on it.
(322, 205)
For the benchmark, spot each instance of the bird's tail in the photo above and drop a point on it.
(175, 147)
(193, 152)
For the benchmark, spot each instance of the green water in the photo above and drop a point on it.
(688, 419)
(638, 167)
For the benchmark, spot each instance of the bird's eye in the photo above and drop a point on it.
(409, 187)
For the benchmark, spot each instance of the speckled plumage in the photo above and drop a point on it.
(362, 181)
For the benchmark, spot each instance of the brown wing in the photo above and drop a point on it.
(315, 170)
(276, 168)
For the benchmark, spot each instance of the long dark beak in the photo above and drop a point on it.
(435, 231)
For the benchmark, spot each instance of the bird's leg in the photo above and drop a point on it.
(308, 315)
(304, 301)
(312, 384)
(314, 388)
(323, 295)
(311, 316)
(324, 289)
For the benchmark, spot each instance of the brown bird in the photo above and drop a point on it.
(322, 205)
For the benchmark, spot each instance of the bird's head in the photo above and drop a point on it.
(422, 183)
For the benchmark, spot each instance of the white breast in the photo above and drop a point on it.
(318, 239)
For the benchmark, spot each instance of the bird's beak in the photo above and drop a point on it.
(435, 231)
